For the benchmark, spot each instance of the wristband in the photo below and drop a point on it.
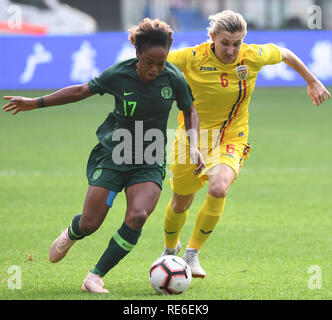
(41, 103)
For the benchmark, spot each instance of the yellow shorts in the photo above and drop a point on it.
(184, 182)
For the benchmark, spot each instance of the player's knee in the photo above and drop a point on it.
(218, 189)
(220, 181)
(180, 206)
(181, 203)
(136, 218)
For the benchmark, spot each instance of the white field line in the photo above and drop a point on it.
(37, 173)
(243, 171)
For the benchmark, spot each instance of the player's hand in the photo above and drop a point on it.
(197, 159)
(17, 104)
(318, 93)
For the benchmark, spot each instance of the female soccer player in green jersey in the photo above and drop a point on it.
(144, 89)
(222, 75)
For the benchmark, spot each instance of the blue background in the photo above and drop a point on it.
(15, 50)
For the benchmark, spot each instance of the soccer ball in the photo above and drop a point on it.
(170, 275)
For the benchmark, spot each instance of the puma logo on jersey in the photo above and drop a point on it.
(208, 68)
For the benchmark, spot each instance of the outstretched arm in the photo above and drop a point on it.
(63, 96)
(316, 90)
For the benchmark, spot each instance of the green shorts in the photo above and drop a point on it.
(102, 172)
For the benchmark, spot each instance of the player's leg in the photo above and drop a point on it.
(208, 216)
(213, 206)
(221, 176)
(184, 185)
(94, 212)
(143, 187)
(141, 201)
(103, 186)
(175, 217)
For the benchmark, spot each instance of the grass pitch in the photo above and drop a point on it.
(274, 241)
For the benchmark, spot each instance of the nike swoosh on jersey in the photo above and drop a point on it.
(127, 93)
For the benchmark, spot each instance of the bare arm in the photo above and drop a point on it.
(191, 123)
(316, 90)
(60, 97)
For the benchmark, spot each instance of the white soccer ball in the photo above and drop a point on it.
(170, 275)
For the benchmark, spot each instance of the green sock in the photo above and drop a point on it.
(122, 242)
(74, 230)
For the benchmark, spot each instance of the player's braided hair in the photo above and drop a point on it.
(227, 20)
(151, 33)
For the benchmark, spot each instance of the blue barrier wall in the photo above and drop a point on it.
(49, 62)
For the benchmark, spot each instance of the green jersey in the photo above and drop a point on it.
(135, 131)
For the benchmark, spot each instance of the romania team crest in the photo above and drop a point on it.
(242, 72)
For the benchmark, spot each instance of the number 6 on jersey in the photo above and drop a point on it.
(224, 80)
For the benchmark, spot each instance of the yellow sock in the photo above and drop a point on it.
(206, 220)
(173, 224)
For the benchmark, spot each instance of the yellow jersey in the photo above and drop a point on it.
(222, 92)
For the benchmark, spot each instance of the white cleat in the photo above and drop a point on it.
(172, 252)
(93, 283)
(60, 247)
(191, 257)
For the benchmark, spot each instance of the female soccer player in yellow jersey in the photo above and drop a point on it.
(222, 75)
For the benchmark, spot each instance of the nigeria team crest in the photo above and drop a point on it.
(166, 92)
(242, 72)
(97, 173)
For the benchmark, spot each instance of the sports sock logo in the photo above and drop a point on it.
(169, 232)
(205, 232)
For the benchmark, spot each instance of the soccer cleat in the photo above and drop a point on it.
(93, 283)
(172, 252)
(60, 247)
(191, 257)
